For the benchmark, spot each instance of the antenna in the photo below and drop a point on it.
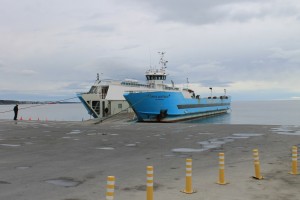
(162, 61)
(172, 84)
(187, 83)
(150, 59)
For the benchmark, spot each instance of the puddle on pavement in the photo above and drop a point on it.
(105, 148)
(216, 144)
(237, 137)
(4, 182)
(28, 143)
(247, 135)
(74, 132)
(186, 150)
(64, 182)
(287, 130)
(169, 155)
(130, 145)
(10, 145)
(23, 167)
(204, 133)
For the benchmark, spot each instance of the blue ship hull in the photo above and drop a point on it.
(172, 106)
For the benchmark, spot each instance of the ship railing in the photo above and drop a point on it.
(139, 91)
(134, 84)
(101, 95)
(170, 88)
(221, 97)
(154, 90)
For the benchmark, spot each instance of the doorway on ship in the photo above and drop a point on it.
(103, 109)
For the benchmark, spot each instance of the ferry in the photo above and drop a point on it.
(163, 103)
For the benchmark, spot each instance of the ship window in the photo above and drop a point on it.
(120, 105)
(93, 89)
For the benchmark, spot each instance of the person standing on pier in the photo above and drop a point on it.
(16, 112)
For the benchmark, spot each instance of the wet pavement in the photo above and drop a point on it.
(71, 160)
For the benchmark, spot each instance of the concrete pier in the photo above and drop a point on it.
(71, 160)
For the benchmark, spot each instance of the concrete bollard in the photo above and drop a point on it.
(294, 161)
(221, 180)
(110, 188)
(188, 177)
(256, 165)
(149, 182)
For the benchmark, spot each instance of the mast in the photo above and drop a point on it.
(156, 77)
(162, 61)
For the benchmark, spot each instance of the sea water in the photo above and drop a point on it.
(55, 112)
(283, 112)
(242, 112)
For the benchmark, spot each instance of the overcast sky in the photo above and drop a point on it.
(49, 50)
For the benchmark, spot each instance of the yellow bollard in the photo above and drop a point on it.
(256, 165)
(294, 161)
(222, 169)
(188, 177)
(149, 183)
(110, 188)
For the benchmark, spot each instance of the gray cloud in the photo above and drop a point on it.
(28, 72)
(286, 55)
(205, 12)
(215, 83)
(97, 28)
(234, 43)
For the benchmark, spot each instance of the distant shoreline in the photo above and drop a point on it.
(11, 102)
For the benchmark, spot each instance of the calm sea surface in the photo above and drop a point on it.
(252, 112)
(58, 112)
